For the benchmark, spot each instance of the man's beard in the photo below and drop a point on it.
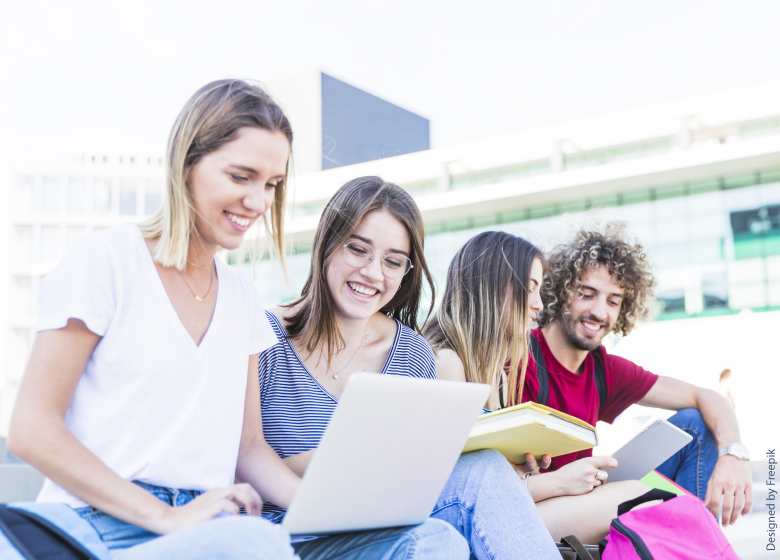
(579, 342)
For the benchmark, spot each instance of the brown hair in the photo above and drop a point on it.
(470, 319)
(626, 262)
(314, 322)
(211, 118)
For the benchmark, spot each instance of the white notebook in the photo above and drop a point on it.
(647, 450)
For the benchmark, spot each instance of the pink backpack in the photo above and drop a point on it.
(680, 528)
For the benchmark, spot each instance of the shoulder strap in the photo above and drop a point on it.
(652, 495)
(541, 370)
(62, 522)
(600, 375)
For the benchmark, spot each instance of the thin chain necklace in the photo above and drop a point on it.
(336, 373)
(202, 267)
(197, 297)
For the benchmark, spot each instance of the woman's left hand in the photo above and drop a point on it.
(531, 465)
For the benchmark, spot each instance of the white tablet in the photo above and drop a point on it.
(647, 450)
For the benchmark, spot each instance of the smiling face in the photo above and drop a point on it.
(234, 185)
(594, 314)
(361, 292)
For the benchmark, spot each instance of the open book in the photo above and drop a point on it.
(531, 428)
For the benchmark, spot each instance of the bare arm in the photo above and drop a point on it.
(258, 463)
(38, 435)
(732, 478)
(449, 366)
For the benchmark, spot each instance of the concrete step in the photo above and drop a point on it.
(19, 483)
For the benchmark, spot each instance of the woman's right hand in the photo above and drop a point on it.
(579, 477)
(208, 506)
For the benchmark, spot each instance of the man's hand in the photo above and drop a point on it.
(733, 480)
(531, 466)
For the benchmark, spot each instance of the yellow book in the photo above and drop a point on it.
(531, 428)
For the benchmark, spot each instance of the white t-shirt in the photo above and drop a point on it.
(151, 404)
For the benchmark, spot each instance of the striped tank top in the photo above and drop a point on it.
(296, 408)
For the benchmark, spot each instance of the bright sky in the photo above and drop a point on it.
(91, 73)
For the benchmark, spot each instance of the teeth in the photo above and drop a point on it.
(362, 289)
(591, 326)
(243, 222)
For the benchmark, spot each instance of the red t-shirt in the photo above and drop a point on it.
(577, 395)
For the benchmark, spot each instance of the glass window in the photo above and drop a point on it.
(152, 195)
(671, 208)
(773, 268)
(774, 293)
(770, 194)
(705, 252)
(102, 196)
(706, 203)
(24, 198)
(18, 351)
(746, 270)
(637, 213)
(51, 195)
(21, 300)
(78, 196)
(671, 232)
(752, 294)
(708, 226)
(21, 245)
(741, 199)
(74, 234)
(128, 197)
(670, 256)
(50, 243)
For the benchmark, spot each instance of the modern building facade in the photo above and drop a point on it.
(51, 207)
(698, 183)
(337, 124)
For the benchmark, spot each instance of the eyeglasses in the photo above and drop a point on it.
(358, 255)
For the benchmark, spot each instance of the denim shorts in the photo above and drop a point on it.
(118, 534)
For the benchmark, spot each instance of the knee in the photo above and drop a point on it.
(440, 539)
(487, 461)
(255, 533)
(689, 418)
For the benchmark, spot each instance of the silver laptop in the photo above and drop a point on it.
(386, 454)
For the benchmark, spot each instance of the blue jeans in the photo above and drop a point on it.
(243, 537)
(489, 505)
(431, 540)
(691, 467)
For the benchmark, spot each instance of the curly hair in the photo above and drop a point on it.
(627, 264)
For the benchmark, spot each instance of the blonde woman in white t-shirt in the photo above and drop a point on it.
(141, 389)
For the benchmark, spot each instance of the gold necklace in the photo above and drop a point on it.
(202, 267)
(336, 373)
(197, 297)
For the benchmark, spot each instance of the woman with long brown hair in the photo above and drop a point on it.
(358, 311)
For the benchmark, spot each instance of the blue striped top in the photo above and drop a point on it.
(296, 408)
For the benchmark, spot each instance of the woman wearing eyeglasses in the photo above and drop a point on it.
(358, 311)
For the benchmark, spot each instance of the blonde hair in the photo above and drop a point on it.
(490, 269)
(211, 118)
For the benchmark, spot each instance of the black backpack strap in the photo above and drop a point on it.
(36, 537)
(600, 375)
(576, 545)
(651, 496)
(541, 370)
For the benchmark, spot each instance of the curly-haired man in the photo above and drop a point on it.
(596, 284)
